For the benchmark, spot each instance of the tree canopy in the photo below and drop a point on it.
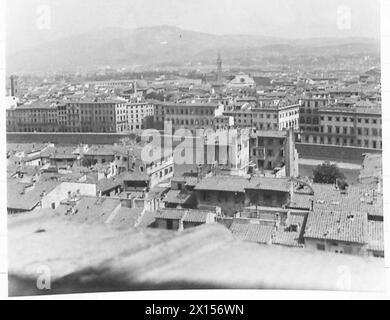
(328, 173)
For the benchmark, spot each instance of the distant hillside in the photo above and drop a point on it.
(164, 44)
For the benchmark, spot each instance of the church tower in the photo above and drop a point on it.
(219, 67)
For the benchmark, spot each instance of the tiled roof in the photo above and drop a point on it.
(196, 216)
(170, 214)
(114, 150)
(147, 219)
(301, 201)
(64, 156)
(177, 196)
(134, 176)
(189, 181)
(223, 183)
(59, 152)
(26, 147)
(353, 111)
(157, 192)
(195, 105)
(252, 232)
(27, 201)
(286, 236)
(92, 209)
(108, 184)
(271, 184)
(269, 134)
(337, 225)
(40, 105)
(358, 198)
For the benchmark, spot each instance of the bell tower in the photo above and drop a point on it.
(219, 67)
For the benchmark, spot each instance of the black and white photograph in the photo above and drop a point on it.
(182, 145)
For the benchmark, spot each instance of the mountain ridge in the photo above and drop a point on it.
(164, 44)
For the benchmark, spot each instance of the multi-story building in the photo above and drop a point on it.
(234, 194)
(308, 113)
(266, 117)
(242, 118)
(69, 116)
(138, 114)
(353, 127)
(129, 161)
(113, 83)
(276, 118)
(190, 116)
(32, 118)
(272, 150)
(228, 151)
(96, 116)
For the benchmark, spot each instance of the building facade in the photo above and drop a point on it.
(190, 116)
(69, 116)
(32, 118)
(138, 114)
(351, 127)
(266, 118)
(273, 150)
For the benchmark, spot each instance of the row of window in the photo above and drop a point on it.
(364, 143)
(268, 126)
(187, 111)
(191, 122)
(351, 119)
(346, 130)
(164, 172)
(94, 105)
(314, 104)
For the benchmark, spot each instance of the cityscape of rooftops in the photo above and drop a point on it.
(255, 149)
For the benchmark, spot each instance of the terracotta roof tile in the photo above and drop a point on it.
(337, 225)
(252, 232)
(223, 183)
(196, 216)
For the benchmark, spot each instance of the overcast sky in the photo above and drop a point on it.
(280, 18)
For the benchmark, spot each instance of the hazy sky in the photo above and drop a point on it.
(280, 18)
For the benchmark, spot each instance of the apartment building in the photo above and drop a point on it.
(242, 118)
(308, 113)
(40, 117)
(234, 194)
(228, 151)
(352, 127)
(276, 118)
(274, 150)
(270, 117)
(190, 116)
(69, 116)
(128, 161)
(95, 116)
(138, 113)
(113, 83)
